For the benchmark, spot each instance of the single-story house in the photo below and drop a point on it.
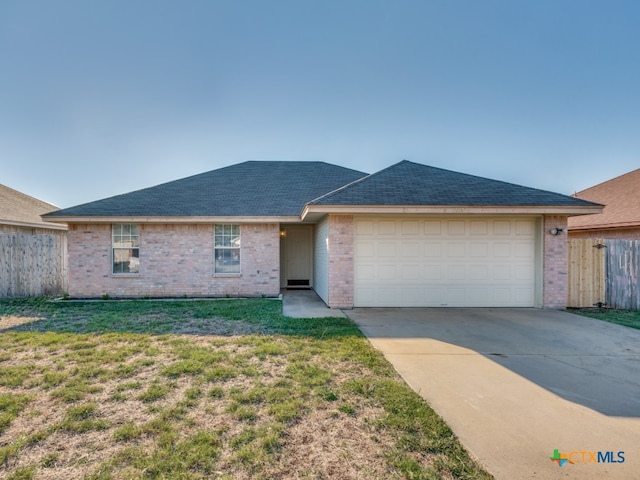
(620, 218)
(408, 235)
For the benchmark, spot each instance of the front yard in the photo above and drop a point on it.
(225, 389)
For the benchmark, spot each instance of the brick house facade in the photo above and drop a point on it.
(175, 260)
(173, 251)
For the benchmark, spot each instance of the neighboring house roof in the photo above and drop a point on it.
(621, 197)
(290, 191)
(254, 188)
(19, 209)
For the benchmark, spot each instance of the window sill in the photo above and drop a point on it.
(125, 275)
(227, 275)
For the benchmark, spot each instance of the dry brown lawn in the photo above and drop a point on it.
(207, 390)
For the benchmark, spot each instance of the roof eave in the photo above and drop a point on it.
(605, 226)
(173, 219)
(311, 211)
(33, 225)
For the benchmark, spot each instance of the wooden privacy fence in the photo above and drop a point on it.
(604, 272)
(623, 265)
(32, 265)
(586, 272)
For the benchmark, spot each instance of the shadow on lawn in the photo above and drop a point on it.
(224, 317)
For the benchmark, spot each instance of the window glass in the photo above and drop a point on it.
(227, 248)
(125, 247)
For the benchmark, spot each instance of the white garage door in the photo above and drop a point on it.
(448, 261)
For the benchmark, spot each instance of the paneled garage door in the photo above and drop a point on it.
(446, 261)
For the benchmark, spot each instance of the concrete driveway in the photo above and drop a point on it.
(517, 384)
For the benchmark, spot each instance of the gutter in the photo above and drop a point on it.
(165, 220)
(34, 225)
(451, 210)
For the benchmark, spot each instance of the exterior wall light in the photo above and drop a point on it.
(556, 231)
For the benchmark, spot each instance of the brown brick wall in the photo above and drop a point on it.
(175, 260)
(341, 230)
(555, 260)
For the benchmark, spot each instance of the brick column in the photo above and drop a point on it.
(555, 277)
(341, 261)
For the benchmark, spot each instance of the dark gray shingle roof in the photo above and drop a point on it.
(408, 183)
(272, 188)
(254, 188)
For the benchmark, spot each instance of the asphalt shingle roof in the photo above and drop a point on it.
(253, 188)
(276, 188)
(621, 195)
(18, 207)
(408, 183)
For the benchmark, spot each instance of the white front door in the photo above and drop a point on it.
(298, 242)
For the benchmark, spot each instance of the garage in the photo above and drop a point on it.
(445, 261)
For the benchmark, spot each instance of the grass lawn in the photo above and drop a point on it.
(628, 318)
(207, 389)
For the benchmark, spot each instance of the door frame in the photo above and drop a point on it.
(285, 254)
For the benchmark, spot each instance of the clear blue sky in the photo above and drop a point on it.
(99, 98)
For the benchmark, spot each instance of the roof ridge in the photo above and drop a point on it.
(249, 188)
(366, 177)
(405, 161)
(303, 162)
(411, 183)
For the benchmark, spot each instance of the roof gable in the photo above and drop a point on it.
(621, 197)
(253, 188)
(412, 184)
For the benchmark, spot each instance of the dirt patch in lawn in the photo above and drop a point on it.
(86, 393)
(9, 321)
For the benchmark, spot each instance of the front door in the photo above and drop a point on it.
(297, 250)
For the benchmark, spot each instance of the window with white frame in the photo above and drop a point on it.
(227, 248)
(125, 247)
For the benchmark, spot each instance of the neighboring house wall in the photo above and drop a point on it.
(175, 260)
(555, 263)
(321, 260)
(341, 232)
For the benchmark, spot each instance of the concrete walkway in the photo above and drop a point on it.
(306, 304)
(517, 384)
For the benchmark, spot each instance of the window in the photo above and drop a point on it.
(227, 248)
(125, 247)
